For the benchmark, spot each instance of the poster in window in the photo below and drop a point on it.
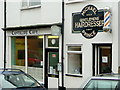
(104, 59)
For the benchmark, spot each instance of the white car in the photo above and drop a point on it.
(13, 79)
(103, 82)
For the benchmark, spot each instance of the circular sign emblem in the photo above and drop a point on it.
(89, 21)
(53, 41)
(89, 33)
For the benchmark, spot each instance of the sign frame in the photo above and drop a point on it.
(88, 22)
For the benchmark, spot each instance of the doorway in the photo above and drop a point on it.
(51, 71)
(102, 58)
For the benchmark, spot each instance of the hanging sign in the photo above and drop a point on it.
(88, 21)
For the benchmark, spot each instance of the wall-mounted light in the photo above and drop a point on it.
(55, 30)
(40, 37)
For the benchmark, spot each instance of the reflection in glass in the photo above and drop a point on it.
(24, 3)
(53, 62)
(105, 59)
(18, 52)
(34, 2)
(35, 57)
(101, 84)
(74, 63)
(34, 61)
(74, 48)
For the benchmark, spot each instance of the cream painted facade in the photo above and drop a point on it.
(87, 45)
(89, 52)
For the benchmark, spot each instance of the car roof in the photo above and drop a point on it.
(11, 71)
(110, 76)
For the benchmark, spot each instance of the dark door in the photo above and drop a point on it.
(105, 59)
(102, 58)
(51, 62)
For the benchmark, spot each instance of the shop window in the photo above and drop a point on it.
(27, 55)
(21, 54)
(74, 56)
(35, 56)
(30, 3)
(18, 52)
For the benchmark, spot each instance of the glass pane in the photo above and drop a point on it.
(74, 63)
(35, 57)
(74, 48)
(53, 61)
(102, 84)
(24, 3)
(34, 2)
(18, 52)
(19, 80)
(105, 60)
(53, 41)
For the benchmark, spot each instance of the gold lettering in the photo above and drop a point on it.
(93, 9)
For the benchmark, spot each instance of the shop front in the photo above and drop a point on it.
(35, 51)
(91, 40)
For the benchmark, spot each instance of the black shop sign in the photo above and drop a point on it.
(88, 22)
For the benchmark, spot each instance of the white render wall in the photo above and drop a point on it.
(101, 37)
(1, 36)
(119, 35)
(48, 13)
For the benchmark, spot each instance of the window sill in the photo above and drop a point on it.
(32, 7)
(53, 75)
(74, 75)
(74, 1)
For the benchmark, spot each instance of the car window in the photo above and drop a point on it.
(21, 80)
(4, 83)
(98, 84)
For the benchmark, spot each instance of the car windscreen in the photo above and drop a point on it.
(102, 84)
(21, 80)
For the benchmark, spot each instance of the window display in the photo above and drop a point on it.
(18, 52)
(27, 55)
(35, 56)
(74, 60)
(53, 62)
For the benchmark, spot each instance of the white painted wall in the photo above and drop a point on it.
(101, 37)
(119, 35)
(49, 12)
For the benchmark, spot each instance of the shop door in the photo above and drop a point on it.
(102, 62)
(51, 72)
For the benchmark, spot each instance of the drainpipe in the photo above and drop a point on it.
(62, 51)
(4, 34)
